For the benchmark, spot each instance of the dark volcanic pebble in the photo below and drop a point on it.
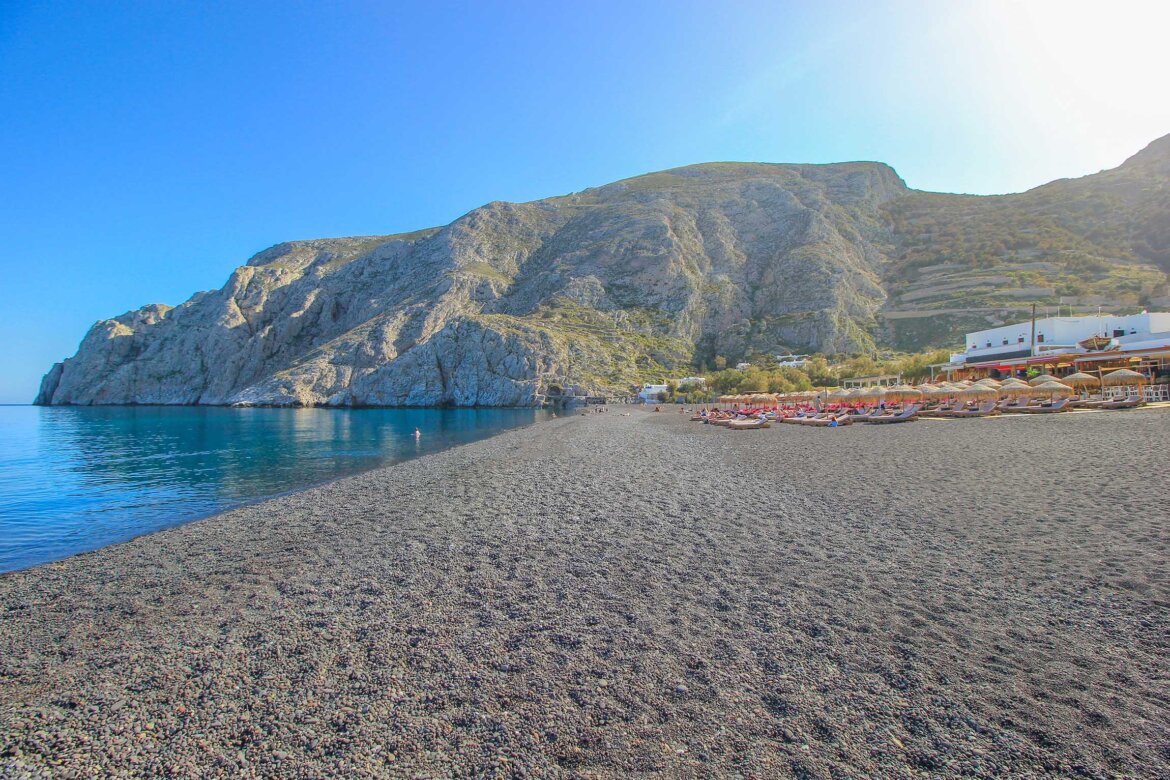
(632, 596)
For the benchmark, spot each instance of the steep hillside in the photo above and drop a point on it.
(612, 286)
(965, 262)
(601, 290)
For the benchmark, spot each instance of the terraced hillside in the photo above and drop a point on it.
(964, 262)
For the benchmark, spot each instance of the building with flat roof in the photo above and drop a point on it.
(1062, 334)
(1093, 343)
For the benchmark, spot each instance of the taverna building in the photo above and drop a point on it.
(1064, 345)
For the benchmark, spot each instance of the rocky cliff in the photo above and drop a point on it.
(608, 287)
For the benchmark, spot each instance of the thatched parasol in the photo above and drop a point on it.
(1041, 379)
(979, 391)
(1081, 379)
(1124, 376)
(1052, 389)
(989, 382)
(1010, 387)
(903, 393)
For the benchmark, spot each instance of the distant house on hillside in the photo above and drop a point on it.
(742, 366)
(792, 361)
(649, 393)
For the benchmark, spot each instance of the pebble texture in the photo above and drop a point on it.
(631, 596)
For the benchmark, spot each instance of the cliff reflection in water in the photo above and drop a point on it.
(77, 478)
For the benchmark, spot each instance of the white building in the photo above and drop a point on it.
(649, 393)
(690, 380)
(1062, 334)
(792, 361)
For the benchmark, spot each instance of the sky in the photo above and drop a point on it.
(147, 149)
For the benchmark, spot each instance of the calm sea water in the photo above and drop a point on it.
(75, 479)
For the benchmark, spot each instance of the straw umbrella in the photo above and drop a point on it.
(903, 393)
(978, 391)
(1041, 379)
(1081, 379)
(1124, 376)
(1053, 389)
(989, 382)
(1014, 387)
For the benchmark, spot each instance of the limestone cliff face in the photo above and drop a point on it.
(514, 301)
(632, 281)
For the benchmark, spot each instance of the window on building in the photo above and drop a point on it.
(1020, 340)
(1005, 342)
(1039, 338)
(989, 344)
(1117, 332)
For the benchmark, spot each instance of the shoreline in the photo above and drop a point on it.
(609, 596)
(252, 502)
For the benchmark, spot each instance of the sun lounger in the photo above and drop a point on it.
(827, 420)
(1059, 406)
(908, 414)
(985, 409)
(1132, 402)
(747, 425)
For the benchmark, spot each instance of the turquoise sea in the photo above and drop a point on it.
(77, 478)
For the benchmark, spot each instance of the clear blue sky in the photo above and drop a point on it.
(148, 148)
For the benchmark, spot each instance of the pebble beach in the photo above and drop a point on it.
(632, 596)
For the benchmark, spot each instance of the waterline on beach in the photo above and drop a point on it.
(79, 478)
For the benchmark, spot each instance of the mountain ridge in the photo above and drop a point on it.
(606, 287)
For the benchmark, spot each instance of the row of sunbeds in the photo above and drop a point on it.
(815, 419)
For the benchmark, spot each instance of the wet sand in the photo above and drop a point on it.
(640, 596)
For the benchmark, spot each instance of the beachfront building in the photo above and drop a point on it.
(1093, 344)
(1063, 334)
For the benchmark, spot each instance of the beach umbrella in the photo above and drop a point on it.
(1052, 389)
(1014, 388)
(1041, 379)
(1124, 376)
(989, 382)
(903, 393)
(1081, 379)
(979, 391)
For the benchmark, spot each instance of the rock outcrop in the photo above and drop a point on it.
(513, 303)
